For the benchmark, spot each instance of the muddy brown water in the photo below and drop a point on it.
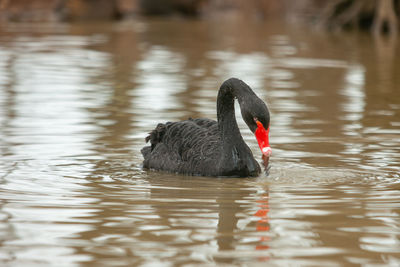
(76, 101)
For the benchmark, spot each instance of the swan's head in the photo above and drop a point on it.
(256, 115)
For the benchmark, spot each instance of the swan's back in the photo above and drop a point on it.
(189, 147)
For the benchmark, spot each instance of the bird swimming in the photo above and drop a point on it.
(207, 147)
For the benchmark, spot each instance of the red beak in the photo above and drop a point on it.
(262, 136)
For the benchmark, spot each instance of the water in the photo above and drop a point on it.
(77, 100)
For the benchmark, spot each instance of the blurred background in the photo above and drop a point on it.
(377, 15)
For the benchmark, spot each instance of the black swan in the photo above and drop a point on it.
(209, 148)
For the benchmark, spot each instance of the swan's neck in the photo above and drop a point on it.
(236, 155)
(228, 127)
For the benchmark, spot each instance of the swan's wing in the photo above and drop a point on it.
(191, 147)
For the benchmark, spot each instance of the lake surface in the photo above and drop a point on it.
(77, 100)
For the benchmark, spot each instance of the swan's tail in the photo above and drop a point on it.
(156, 135)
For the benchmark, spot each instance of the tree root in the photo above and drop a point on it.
(338, 14)
(385, 16)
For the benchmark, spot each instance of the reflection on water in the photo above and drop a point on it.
(76, 102)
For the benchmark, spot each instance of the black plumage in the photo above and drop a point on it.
(207, 147)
